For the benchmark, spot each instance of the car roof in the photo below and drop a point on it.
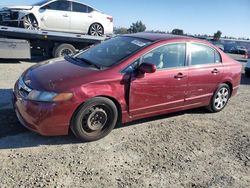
(75, 1)
(157, 36)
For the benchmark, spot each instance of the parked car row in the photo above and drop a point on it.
(238, 50)
(58, 15)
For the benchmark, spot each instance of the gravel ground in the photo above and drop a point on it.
(193, 148)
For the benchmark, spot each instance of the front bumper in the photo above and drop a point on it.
(48, 119)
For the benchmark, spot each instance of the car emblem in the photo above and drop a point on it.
(28, 82)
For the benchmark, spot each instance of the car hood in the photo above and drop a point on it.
(57, 75)
(18, 8)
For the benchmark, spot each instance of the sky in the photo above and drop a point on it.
(232, 17)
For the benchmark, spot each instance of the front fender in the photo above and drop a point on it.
(23, 13)
(110, 88)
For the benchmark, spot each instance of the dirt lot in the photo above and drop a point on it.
(188, 149)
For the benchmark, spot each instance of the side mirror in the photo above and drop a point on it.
(147, 68)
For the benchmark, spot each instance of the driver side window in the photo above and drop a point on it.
(77, 7)
(168, 56)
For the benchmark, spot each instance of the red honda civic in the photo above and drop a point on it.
(123, 79)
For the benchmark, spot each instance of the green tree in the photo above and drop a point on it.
(217, 35)
(137, 27)
(178, 32)
(121, 30)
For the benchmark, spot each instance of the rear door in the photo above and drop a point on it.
(205, 74)
(56, 16)
(163, 90)
(81, 17)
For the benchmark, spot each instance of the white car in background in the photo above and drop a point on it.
(58, 15)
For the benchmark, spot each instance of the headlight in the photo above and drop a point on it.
(44, 96)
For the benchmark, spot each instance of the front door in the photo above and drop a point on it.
(163, 90)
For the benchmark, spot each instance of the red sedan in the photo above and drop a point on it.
(123, 79)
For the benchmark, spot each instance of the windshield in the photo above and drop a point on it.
(112, 51)
(40, 3)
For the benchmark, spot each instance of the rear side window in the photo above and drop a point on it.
(77, 7)
(90, 9)
(59, 5)
(202, 54)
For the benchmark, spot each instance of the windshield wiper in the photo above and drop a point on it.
(88, 62)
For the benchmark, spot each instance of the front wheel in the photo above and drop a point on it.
(30, 22)
(220, 98)
(95, 119)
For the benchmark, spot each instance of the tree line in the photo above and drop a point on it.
(141, 27)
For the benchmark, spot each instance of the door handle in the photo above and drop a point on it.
(179, 76)
(215, 71)
(65, 15)
(90, 16)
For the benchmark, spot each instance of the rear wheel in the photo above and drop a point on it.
(63, 50)
(220, 98)
(30, 22)
(96, 29)
(95, 119)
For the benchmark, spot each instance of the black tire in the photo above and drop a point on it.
(30, 22)
(220, 98)
(95, 119)
(63, 49)
(96, 29)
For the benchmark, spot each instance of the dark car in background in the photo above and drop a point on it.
(123, 79)
(220, 46)
(247, 68)
(238, 50)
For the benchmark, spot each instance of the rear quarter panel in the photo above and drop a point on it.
(232, 72)
(101, 18)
